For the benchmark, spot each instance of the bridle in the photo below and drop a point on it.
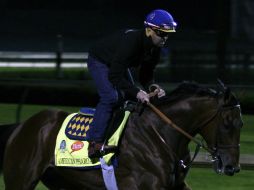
(199, 144)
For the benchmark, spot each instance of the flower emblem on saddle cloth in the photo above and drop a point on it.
(78, 126)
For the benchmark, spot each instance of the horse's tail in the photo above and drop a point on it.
(5, 133)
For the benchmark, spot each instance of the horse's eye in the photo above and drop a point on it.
(238, 123)
(227, 127)
(226, 119)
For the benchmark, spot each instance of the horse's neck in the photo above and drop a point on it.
(177, 143)
(189, 115)
(147, 133)
(140, 138)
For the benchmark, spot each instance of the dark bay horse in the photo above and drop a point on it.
(148, 159)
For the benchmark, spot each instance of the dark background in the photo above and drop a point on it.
(214, 39)
(34, 24)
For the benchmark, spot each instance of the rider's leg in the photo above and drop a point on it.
(108, 99)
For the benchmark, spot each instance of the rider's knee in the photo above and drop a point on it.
(110, 98)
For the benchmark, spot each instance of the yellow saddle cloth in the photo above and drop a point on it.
(71, 150)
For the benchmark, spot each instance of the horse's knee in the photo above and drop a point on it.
(183, 186)
(186, 186)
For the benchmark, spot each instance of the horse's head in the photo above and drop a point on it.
(223, 134)
(215, 115)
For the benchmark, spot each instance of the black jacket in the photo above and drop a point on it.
(126, 49)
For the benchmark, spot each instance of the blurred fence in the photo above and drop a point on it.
(204, 160)
(43, 59)
(192, 64)
(202, 60)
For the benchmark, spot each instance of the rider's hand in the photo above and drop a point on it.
(142, 96)
(157, 89)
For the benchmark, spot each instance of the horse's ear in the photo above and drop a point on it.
(227, 94)
(221, 86)
(225, 90)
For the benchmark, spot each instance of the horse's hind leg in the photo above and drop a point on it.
(23, 167)
(20, 174)
(30, 150)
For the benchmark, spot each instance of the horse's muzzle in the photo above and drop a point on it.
(230, 170)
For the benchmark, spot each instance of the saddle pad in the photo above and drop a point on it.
(77, 127)
(73, 153)
(79, 124)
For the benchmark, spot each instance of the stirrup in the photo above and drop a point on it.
(105, 149)
(96, 150)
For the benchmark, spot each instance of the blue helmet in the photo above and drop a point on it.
(160, 20)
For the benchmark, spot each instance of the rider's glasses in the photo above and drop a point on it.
(161, 33)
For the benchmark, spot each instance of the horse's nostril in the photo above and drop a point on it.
(228, 167)
(229, 170)
(237, 169)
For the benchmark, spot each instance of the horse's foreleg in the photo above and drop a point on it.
(186, 186)
(183, 186)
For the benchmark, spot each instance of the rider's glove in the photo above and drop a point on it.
(142, 96)
(157, 89)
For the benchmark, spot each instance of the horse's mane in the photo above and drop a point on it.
(188, 89)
